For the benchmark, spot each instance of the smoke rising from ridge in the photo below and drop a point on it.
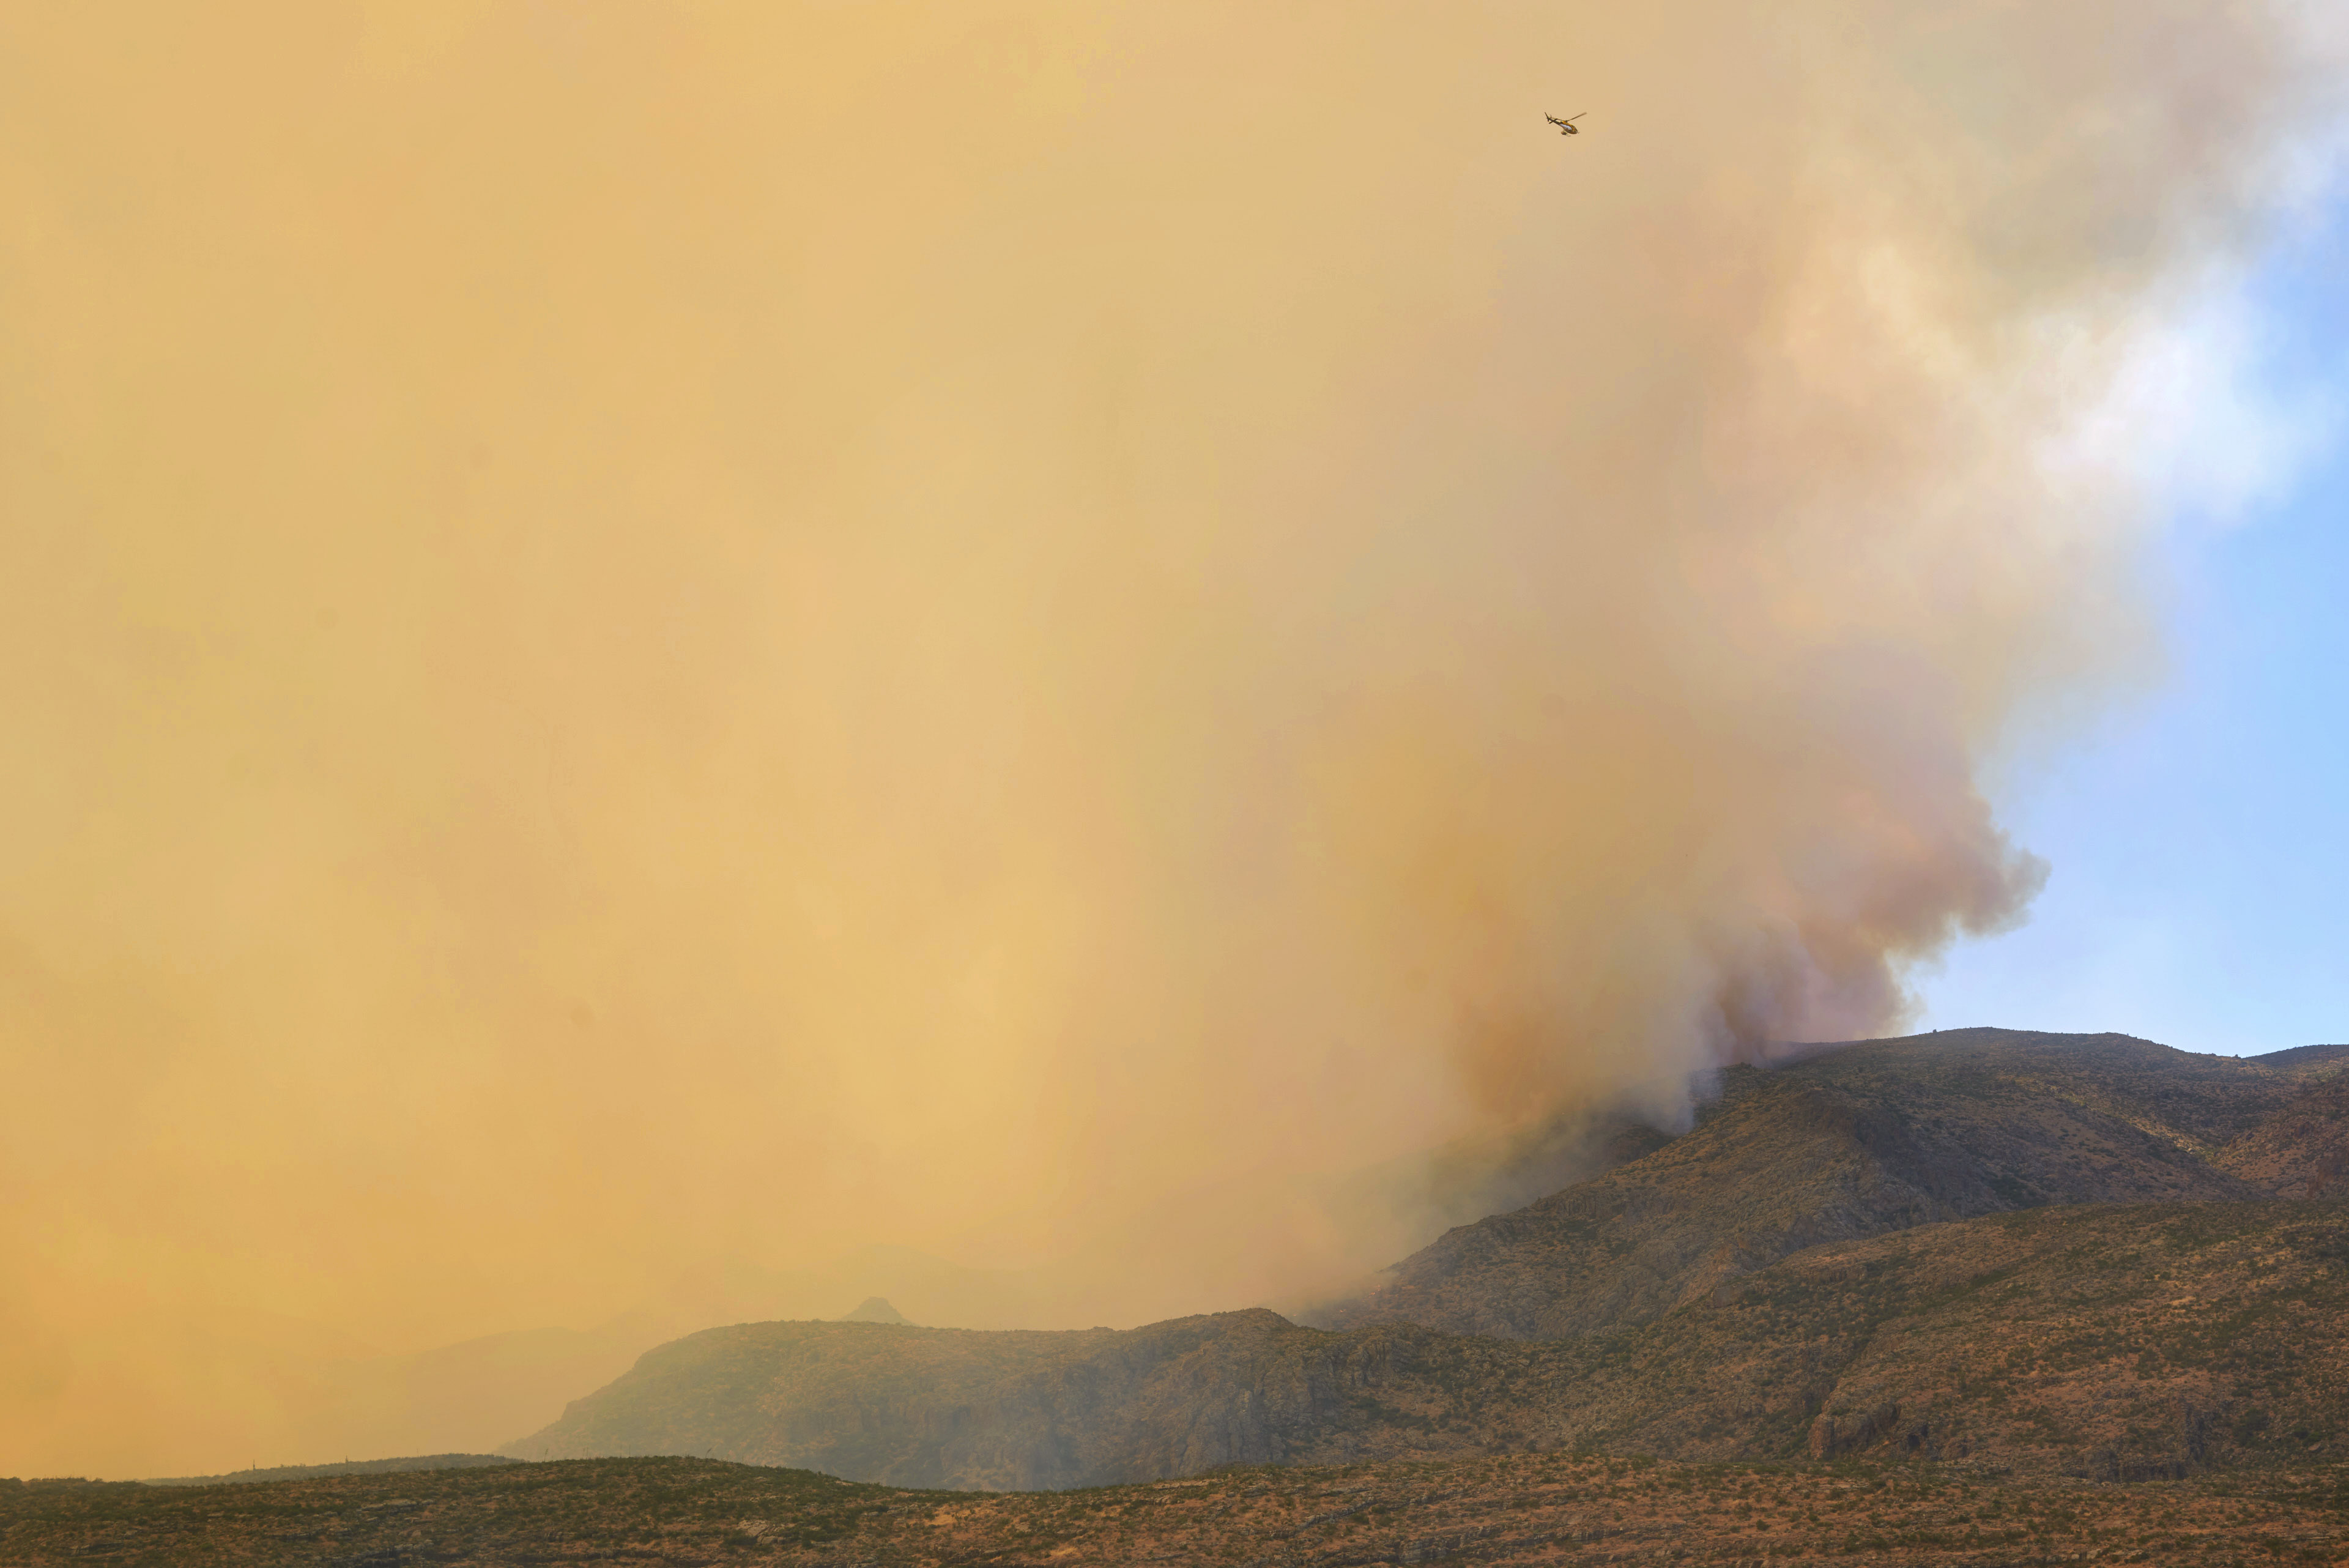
(1020, 629)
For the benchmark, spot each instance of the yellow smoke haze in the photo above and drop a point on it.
(638, 633)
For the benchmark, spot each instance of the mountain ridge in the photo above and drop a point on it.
(2115, 1342)
(1839, 1143)
(1744, 1290)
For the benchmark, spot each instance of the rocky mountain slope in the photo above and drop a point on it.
(2302, 1150)
(2148, 1340)
(1854, 1141)
(2083, 1253)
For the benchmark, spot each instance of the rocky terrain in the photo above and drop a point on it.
(1550, 1509)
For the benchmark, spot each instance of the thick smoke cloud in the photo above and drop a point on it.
(1036, 631)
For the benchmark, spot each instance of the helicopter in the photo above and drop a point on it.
(1566, 127)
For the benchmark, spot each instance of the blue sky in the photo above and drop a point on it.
(2198, 837)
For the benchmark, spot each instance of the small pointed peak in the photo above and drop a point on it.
(872, 1309)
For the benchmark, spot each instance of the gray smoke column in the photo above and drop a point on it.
(1018, 629)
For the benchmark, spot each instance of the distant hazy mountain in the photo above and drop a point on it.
(332, 1396)
(1911, 1243)
(2121, 1343)
(478, 1393)
(872, 1309)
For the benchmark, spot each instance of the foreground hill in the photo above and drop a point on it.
(1517, 1509)
(1857, 1141)
(2119, 1342)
